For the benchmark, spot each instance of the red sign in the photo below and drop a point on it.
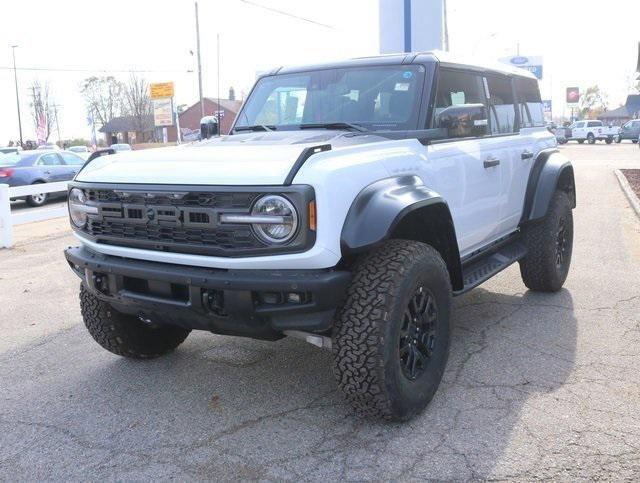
(573, 95)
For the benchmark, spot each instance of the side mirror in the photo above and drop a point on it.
(209, 127)
(464, 120)
(100, 152)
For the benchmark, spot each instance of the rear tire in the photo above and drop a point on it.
(391, 338)
(580, 141)
(38, 199)
(549, 247)
(618, 140)
(126, 335)
(608, 140)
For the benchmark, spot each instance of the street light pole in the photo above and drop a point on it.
(15, 76)
(199, 61)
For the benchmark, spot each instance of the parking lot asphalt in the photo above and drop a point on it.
(537, 385)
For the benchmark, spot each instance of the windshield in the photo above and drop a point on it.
(375, 98)
(78, 149)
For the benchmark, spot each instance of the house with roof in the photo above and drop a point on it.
(227, 110)
(130, 130)
(630, 110)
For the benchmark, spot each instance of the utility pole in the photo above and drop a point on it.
(219, 109)
(15, 76)
(199, 61)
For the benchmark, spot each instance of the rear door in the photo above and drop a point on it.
(514, 149)
(465, 171)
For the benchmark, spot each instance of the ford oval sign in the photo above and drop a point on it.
(519, 60)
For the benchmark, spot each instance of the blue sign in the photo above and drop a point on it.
(546, 107)
(534, 69)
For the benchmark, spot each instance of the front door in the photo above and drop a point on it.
(466, 171)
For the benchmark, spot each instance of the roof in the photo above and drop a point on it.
(629, 110)
(409, 58)
(232, 105)
(126, 124)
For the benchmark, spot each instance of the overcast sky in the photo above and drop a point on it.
(583, 42)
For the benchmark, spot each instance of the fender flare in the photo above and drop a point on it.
(550, 171)
(378, 212)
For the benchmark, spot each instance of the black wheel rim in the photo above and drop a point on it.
(561, 243)
(418, 333)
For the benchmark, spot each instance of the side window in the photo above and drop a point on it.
(502, 109)
(49, 160)
(531, 112)
(456, 88)
(594, 124)
(72, 159)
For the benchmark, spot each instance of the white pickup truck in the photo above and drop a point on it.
(592, 131)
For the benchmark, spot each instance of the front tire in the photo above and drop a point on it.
(549, 247)
(391, 339)
(126, 335)
(591, 139)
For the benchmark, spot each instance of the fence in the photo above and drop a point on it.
(8, 220)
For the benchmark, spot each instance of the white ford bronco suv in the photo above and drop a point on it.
(347, 206)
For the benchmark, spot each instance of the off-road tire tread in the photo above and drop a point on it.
(536, 268)
(357, 346)
(125, 335)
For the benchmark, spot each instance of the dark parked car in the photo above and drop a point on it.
(32, 167)
(631, 130)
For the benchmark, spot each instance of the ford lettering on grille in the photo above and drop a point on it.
(168, 215)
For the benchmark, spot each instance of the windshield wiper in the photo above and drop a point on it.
(256, 127)
(335, 125)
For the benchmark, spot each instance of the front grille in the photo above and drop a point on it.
(204, 199)
(171, 220)
(184, 219)
(226, 238)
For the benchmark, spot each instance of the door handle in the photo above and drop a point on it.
(526, 155)
(491, 162)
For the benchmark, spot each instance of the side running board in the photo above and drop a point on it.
(485, 267)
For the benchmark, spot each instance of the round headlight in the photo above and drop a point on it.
(77, 212)
(276, 206)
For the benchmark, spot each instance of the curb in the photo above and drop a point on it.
(631, 196)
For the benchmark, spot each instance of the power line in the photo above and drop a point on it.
(83, 69)
(287, 14)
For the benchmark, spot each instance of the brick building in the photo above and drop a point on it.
(190, 118)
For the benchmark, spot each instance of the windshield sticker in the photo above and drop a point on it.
(407, 74)
(402, 86)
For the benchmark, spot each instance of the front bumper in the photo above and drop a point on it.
(252, 303)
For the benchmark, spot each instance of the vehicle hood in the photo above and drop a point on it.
(258, 158)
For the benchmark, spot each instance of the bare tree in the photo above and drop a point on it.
(42, 109)
(104, 97)
(138, 103)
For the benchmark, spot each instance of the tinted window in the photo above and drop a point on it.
(502, 109)
(49, 160)
(72, 159)
(374, 97)
(594, 124)
(531, 112)
(455, 88)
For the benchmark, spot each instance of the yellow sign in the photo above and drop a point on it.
(161, 90)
